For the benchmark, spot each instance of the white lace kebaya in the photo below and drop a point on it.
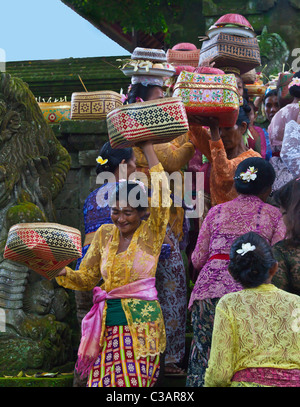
(290, 151)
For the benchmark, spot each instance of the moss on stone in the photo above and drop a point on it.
(24, 212)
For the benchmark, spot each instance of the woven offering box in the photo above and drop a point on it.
(151, 54)
(94, 105)
(43, 247)
(184, 54)
(227, 50)
(159, 120)
(209, 95)
(56, 112)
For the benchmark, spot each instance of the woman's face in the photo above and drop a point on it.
(271, 107)
(126, 218)
(232, 136)
(240, 85)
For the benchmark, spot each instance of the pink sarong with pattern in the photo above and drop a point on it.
(91, 325)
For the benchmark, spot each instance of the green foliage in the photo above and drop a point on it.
(148, 16)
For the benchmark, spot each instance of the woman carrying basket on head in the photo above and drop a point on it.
(123, 335)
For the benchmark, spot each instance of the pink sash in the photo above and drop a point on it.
(89, 347)
(275, 377)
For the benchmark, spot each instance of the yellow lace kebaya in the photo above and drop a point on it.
(256, 329)
(173, 156)
(138, 262)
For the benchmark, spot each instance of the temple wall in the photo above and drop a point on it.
(83, 140)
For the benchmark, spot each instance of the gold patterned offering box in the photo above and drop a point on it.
(159, 120)
(56, 112)
(45, 248)
(209, 95)
(256, 89)
(227, 50)
(94, 105)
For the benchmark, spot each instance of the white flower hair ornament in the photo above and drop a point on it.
(101, 161)
(249, 175)
(136, 181)
(246, 247)
(140, 183)
(294, 82)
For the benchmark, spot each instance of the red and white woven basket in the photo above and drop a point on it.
(159, 120)
(43, 247)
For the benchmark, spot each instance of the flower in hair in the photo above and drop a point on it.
(140, 183)
(246, 247)
(249, 175)
(101, 161)
(136, 181)
(295, 82)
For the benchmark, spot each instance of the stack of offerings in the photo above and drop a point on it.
(45, 248)
(257, 88)
(159, 120)
(183, 56)
(209, 94)
(147, 62)
(231, 42)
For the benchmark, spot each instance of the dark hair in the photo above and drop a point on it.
(252, 268)
(244, 111)
(272, 92)
(130, 190)
(140, 90)
(288, 197)
(295, 90)
(265, 176)
(114, 157)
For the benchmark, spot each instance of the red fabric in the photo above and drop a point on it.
(219, 257)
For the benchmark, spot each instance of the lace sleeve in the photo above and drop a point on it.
(200, 254)
(172, 157)
(221, 361)
(88, 275)
(200, 137)
(280, 230)
(290, 150)
(160, 204)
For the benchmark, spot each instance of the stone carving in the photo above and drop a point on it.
(33, 169)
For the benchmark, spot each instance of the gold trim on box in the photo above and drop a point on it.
(189, 85)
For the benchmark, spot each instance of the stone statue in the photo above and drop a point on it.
(33, 169)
